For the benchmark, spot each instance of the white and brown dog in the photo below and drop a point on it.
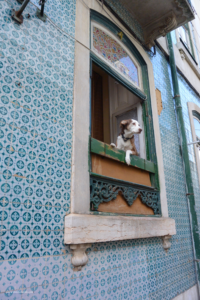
(125, 141)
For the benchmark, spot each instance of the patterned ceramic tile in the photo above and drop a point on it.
(117, 6)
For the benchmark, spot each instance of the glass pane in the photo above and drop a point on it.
(182, 32)
(131, 114)
(114, 54)
(197, 128)
(197, 131)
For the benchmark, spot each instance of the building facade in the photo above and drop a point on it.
(63, 96)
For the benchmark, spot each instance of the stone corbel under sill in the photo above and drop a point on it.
(81, 230)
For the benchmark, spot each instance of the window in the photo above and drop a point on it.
(195, 44)
(90, 221)
(194, 113)
(183, 34)
(197, 132)
(111, 102)
(185, 37)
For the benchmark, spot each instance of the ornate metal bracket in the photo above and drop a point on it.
(79, 258)
(166, 242)
(105, 190)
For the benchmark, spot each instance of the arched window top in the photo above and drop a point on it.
(112, 50)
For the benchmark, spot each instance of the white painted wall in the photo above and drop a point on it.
(190, 294)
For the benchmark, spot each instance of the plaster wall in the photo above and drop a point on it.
(190, 294)
(36, 99)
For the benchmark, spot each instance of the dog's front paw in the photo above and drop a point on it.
(128, 160)
(113, 145)
(128, 157)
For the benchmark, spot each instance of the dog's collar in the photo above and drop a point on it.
(126, 139)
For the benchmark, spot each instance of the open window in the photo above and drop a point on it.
(111, 201)
(112, 103)
(117, 94)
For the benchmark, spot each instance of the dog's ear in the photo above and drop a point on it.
(123, 123)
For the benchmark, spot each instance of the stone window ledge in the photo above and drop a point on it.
(87, 228)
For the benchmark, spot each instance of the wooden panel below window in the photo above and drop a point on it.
(111, 168)
(119, 205)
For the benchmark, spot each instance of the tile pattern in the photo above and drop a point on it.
(36, 133)
(114, 54)
(188, 95)
(126, 17)
(36, 95)
(175, 181)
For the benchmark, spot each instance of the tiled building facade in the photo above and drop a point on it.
(36, 129)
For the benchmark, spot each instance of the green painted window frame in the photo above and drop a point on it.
(96, 146)
(196, 114)
(108, 151)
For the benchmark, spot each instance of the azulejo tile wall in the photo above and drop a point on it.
(188, 95)
(119, 9)
(36, 97)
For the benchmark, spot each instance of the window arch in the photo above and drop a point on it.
(109, 48)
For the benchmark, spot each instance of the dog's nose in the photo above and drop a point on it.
(140, 129)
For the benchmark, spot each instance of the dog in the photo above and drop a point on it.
(125, 141)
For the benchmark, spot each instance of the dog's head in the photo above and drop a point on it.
(130, 126)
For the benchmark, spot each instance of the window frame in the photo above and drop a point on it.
(109, 27)
(187, 43)
(194, 112)
(181, 44)
(82, 226)
(194, 42)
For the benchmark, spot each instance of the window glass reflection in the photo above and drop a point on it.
(111, 51)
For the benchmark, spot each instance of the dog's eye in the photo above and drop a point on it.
(133, 123)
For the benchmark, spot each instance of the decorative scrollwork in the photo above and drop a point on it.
(104, 190)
